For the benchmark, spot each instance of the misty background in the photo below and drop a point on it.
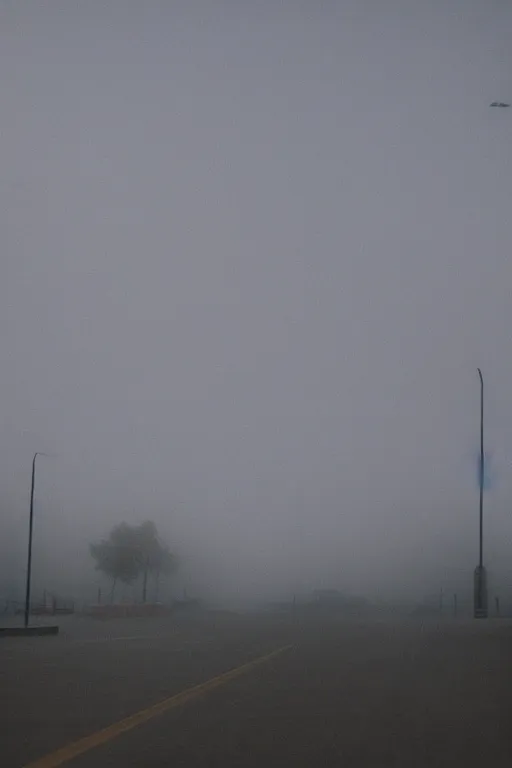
(252, 256)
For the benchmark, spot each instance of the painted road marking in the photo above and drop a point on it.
(152, 638)
(119, 639)
(76, 748)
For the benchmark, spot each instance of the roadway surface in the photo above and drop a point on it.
(337, 693)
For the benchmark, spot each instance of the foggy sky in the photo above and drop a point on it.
(252, 255)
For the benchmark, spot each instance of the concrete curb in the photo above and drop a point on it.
(28, 631)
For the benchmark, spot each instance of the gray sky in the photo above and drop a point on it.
(252, 255)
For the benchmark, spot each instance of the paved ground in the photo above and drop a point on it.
(347, 693)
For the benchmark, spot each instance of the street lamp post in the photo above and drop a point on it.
(482, 468)
(30, 529)
(480, 584)
(480, 579)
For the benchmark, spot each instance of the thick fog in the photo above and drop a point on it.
(252, 256)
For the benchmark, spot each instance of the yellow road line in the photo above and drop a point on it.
(61, 756)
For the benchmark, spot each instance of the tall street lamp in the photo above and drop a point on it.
(480, 583)
(480, 579)
(30, 529)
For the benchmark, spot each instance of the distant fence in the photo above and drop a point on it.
(138, 610)
(49, 606)
(128, 610)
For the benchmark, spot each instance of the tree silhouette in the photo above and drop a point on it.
(130, 551)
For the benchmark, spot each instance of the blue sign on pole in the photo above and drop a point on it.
(487, 473)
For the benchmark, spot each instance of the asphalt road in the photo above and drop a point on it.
(337, 693)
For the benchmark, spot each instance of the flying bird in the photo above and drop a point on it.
(499, 104)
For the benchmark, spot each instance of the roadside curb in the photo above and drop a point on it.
(28, 631)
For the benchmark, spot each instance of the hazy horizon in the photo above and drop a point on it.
(254, 256)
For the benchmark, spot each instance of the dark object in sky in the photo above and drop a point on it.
(499, 104)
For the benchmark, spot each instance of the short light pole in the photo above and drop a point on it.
(30, 529)
(480, 583)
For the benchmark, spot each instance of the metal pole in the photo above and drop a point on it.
(481, 516)
(30, 528)
(480, 577)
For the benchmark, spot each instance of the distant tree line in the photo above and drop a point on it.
(131, 552)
